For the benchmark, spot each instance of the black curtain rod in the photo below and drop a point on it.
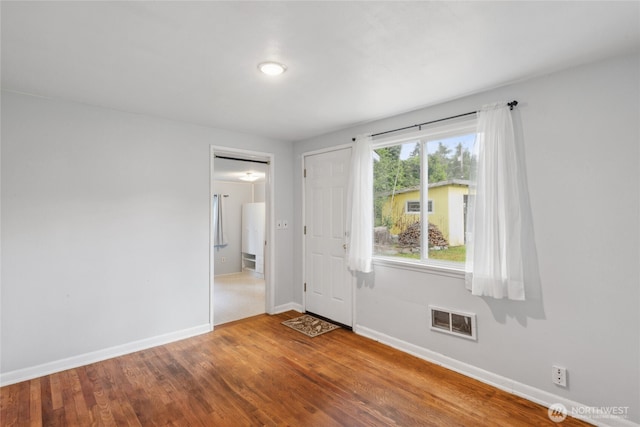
(510, 104)
(242, 160)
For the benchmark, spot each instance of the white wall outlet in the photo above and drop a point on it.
(559, 375)
(279, 224)
(224, 259)
(285, 224)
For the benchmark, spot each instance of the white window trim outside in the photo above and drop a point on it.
(408, 212)
(436, 131)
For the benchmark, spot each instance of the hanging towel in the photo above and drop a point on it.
(219, 236)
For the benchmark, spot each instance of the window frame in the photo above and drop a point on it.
(429, 206)
(406, 207)
(462, 126)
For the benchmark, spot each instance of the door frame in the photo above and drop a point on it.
(269, 262)
(303, 221)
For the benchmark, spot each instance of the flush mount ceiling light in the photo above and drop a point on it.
(250, 176)
(272, 68)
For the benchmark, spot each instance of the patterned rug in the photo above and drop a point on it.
(310, 326)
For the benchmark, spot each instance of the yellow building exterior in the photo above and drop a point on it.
(445, 205)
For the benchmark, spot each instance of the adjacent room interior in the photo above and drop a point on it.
(239, 223)
(143, 282)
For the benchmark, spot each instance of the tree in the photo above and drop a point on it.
(385, 172)
(411, 168)
(459, 163)
(392, 174)
(438, 163)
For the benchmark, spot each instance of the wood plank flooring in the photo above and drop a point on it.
(259, 372)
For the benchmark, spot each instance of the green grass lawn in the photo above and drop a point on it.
(413, 255)
(454, 253)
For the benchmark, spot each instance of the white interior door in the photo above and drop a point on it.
(329, 290)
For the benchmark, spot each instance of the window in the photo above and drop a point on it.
(413, 206)
(429, 167)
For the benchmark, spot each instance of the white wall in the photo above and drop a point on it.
(582, 153)
(239, 194)
(105, 228)
(259, 192)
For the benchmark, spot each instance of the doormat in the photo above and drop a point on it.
(310, 326)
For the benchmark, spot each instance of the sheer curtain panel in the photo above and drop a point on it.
(219, 236)
(360, 206)
(494, 264)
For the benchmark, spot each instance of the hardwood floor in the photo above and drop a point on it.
(259, 372)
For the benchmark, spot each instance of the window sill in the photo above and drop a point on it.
(441, 269)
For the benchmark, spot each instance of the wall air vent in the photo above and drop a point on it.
(453, 322)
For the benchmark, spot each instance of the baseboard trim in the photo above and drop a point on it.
(533, 394)
(288, 307)
(29, 373)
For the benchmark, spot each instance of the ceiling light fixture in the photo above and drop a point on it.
(250, 176)
(272, 68)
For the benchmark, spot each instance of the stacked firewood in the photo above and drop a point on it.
(410, 237)
(436, 238)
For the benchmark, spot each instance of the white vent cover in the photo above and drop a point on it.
(453, 322)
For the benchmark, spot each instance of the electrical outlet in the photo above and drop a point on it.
(279, 224)
(285, 224)
(559, 375)
(224, 259)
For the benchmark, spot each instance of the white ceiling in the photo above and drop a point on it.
(348, 62)
(233, 170)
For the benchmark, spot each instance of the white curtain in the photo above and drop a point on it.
(494, 265)
(219, 236)
(360, 206)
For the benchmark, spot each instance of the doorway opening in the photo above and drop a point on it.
(240, 261)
